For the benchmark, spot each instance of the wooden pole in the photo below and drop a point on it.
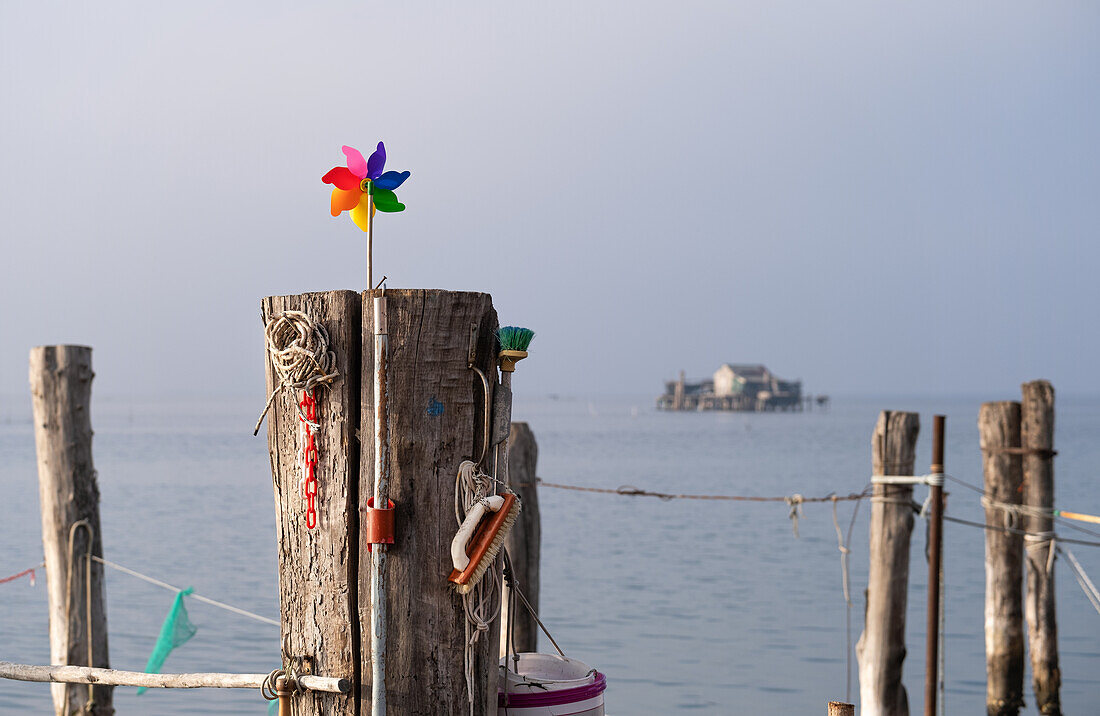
(319, 568)
(524, 541)
(881, 647)
(61, 390)
(1042, 627)
(435, 413)
(113, 677)
(999, 428)
(839, 708)
(935, 562)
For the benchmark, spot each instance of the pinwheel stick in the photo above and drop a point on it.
(370, 240)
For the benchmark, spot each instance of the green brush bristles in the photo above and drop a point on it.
(514, 338)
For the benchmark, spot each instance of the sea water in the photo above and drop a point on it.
(708, 607)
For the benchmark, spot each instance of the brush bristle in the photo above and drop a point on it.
(491, 553)
(514, 338)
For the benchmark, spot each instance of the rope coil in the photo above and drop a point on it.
(299, 350)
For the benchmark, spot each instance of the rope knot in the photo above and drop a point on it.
(300, 355)
(794, 502)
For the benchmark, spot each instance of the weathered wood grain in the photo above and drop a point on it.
(524, 541)
(113, 677)
(61, 391)
(999, 428)
(881, 647)
(318, 568)
(839, 708)
(435, 419)
(1037, 416)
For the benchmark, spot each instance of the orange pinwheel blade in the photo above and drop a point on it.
(344, 200)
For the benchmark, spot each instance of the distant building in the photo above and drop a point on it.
(743, 387)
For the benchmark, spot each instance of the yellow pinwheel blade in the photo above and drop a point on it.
(359, 213)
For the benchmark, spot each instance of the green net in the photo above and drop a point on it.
(175, 631)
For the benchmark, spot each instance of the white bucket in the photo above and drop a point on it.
(549, 685)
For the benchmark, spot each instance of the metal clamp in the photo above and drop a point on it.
(379, 527)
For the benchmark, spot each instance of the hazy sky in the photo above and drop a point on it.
(874, 197)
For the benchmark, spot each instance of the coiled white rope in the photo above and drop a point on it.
(481, 604)
(298, 348)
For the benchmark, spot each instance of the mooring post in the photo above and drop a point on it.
(1042, 627)
(935, 563)
(839, 708)
(999, 428)
(61, 391)
(524, 542)
(319, 567)
(881, 647)
(436, 418)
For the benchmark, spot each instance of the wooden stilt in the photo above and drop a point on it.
(1037, 436)
(999, 427)
(881, 647)
(319, 568)
(524, 541)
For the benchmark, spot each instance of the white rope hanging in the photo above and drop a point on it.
(482, 604)
(298, 348)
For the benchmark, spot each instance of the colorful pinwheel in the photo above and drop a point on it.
(362, 183)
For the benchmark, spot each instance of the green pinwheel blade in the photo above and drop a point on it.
(385, 200)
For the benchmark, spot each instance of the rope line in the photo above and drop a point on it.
(631, 491)
(1083, 579)
(199, 597)
(25, 572)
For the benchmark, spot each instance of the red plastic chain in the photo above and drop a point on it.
(309, 407)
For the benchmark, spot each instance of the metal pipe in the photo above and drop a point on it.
(935, 560)
(381, 500)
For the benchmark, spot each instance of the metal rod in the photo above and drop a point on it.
(381, 500)
(935, 556)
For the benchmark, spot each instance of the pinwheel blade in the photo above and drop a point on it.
(359, 214)
(387, 201)
(344, 200)
(356, 163)
(391, 180)
(342, 177)
(377, 162)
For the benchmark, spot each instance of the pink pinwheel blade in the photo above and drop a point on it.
(377, 161)
(356, 163)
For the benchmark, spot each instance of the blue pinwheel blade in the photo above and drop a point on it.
(391, 180)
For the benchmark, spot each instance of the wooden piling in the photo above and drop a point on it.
(524, 541)
(1037, 436)
(319, 568)
(881, 647)
(61, 391)
(839, 708)
(435, 413)
(999, 428)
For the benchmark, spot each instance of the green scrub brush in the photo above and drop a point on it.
(513, 346)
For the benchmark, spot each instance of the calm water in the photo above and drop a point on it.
(704, 607)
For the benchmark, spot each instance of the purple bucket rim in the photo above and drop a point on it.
(555, 698)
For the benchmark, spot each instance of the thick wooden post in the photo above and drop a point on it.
(999, 428)
(524, 541)
(881, 647)
(318, 568)
(61, 389)
(435, 406)
(839, 708)
(1042, 627)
